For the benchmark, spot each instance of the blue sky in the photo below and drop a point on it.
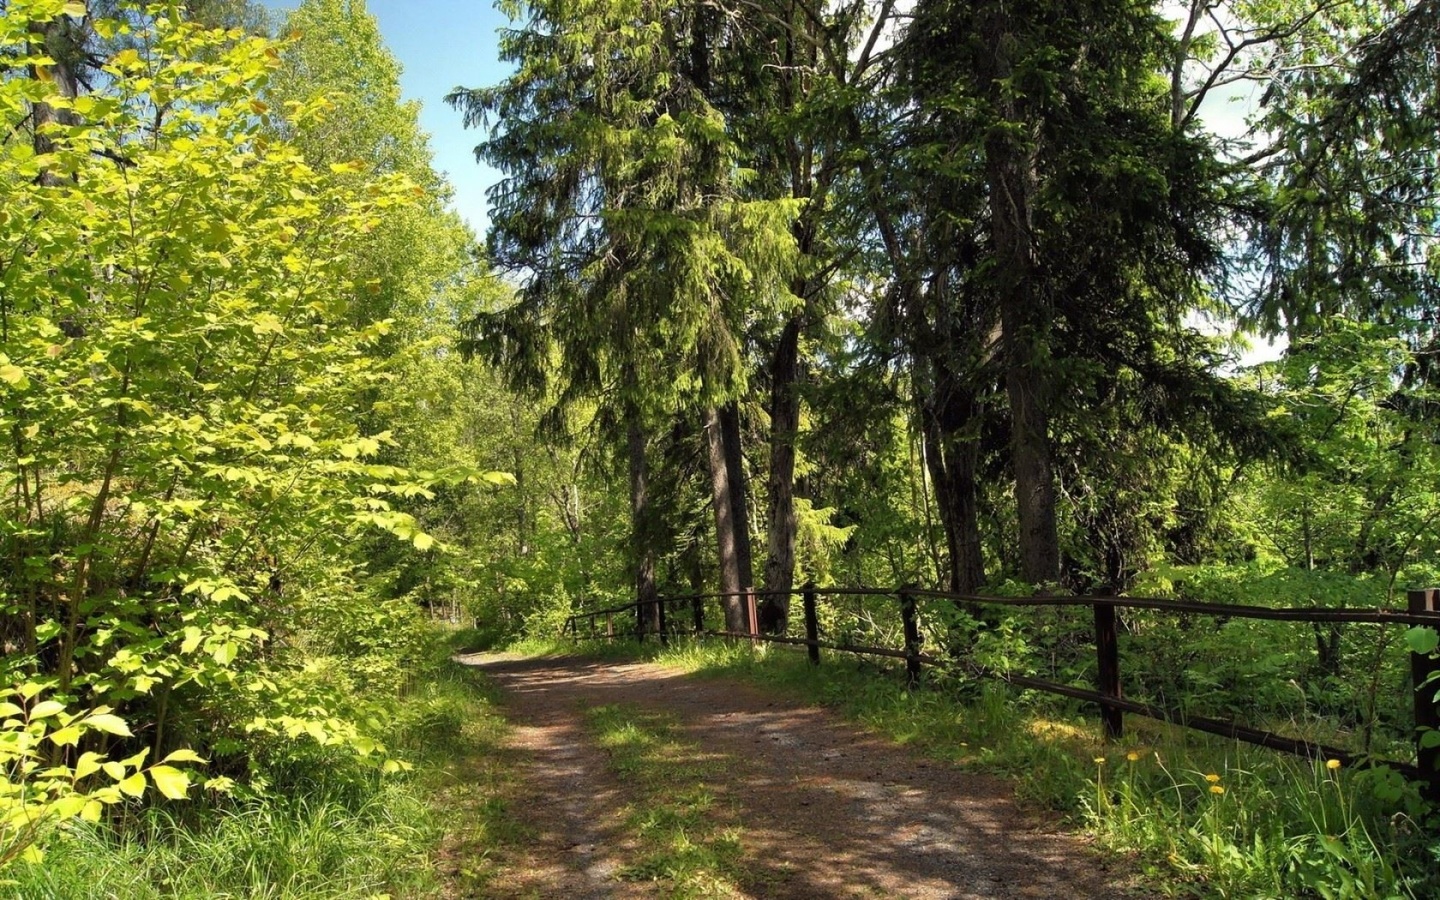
(441, 44)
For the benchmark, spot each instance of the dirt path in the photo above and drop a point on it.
(823, 809)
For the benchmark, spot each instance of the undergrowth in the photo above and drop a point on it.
(1198, 815)
(312, 846)
(313, 826)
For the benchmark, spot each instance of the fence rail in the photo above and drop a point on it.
(1423, 608)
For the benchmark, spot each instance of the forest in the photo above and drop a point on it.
(1002, 298)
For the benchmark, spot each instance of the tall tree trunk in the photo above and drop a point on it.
(952, 452)
(1024, 313)
(641, 537)
(722, 497)
(522, 512)
(921, 473)
(54, 39)
(739, 493)
(784, 427)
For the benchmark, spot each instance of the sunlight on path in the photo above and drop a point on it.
(823, 810)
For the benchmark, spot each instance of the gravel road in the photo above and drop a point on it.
(824, 809)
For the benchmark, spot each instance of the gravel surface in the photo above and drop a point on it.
(824, 809)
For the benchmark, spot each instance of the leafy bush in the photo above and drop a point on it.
(184, 475)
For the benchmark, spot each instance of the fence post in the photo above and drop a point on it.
(1427, 715)
(912, 637)
(812, 623)
(1107, 655)
(609, 625)
(699, 610)
(753, 614)
(660, 621)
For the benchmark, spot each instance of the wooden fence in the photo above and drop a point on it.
(1423, 609)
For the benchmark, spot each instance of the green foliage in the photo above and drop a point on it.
(312, 846)
(1363, 499)
(327, 827)
(187, 464)
(632, 218)
(244, 457)
(35, 795)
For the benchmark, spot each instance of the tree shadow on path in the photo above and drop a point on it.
(825, 810)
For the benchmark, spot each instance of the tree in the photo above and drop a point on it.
(620, 213)
(183, 466)
(1082, 226)
(1350, 225)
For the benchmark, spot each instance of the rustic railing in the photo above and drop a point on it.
(1108, 695)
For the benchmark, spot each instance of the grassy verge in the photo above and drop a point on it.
(684, 839)
(466, 775)
(325, 828)
(1200, 815)
(308, 846)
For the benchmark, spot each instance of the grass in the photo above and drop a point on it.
(326, 828)
(685, 841)
(457, 738)
(274, 848)
(1199, 815)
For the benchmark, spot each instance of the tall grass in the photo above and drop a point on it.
(269, 849)
(313, 826)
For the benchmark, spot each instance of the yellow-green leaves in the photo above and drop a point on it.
(170, 781)
(12, 375)
(88, 764)
(108, 723)
(132, 785)
(36, 792)
(45, 709)
(180, 388)
(68, 736)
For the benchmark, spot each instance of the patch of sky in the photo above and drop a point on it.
(441, 45)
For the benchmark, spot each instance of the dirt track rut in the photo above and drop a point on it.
(824, 809)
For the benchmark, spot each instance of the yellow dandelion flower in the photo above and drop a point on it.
(1332, 764)
(1216, 789)
(1212, 778)
(1133, 756)
(1099, 760)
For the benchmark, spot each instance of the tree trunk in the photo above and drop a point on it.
(727, 552)
(739, 492)
(784, 428)
(1024, 314)
(952, 451)
(641, 539)
(522, 515)
(52, 39)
